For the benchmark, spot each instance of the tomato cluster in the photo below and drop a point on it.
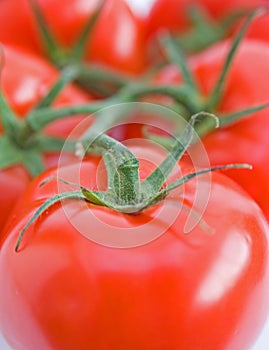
(120, 230)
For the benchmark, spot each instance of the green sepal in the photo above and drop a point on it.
(9, 154)
(232, 118)
(97, 197)
(178, 183)
(176, 55)
(67, 75)
(205, 31)
(78, 50)
(207, 125)
(171, 187)
(217, 92)
(8, 118)
(45, 206)
(33, 162)
(59, 55)
(52, 48)
(157, 178)
(54, 144)
(109, 200)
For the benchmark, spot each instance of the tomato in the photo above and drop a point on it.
(65, 289)
(246, 140)
(116, 41)
(25, 79)
(173, 15)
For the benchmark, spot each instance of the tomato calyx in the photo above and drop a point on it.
(57, 54)
(97, 79)
(125, 192)
(23, 139)
(16, 151)
(211, 102)
(196, 100)
(204, 30)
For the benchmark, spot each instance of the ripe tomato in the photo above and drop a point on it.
(25, 79)
(246, 140)
(116, 41)
(62, 290)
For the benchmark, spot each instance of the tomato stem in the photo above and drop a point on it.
(38, 119)
(100, 80)
(180, 94)
(122, 168)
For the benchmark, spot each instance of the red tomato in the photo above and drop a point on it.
(116, 41)
(246, 140)
(173, 14)
(62, 290)
(25, 80)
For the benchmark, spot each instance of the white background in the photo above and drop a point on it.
(142, 7)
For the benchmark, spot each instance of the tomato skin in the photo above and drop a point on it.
(117, 40)
(63, 291)
(125, 46)
(25, 79)
(246, 140)
(13, 182)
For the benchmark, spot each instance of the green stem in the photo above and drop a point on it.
(180, 94)
(38, 119)
(54, 144)
(101, 80)
(122, 166)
